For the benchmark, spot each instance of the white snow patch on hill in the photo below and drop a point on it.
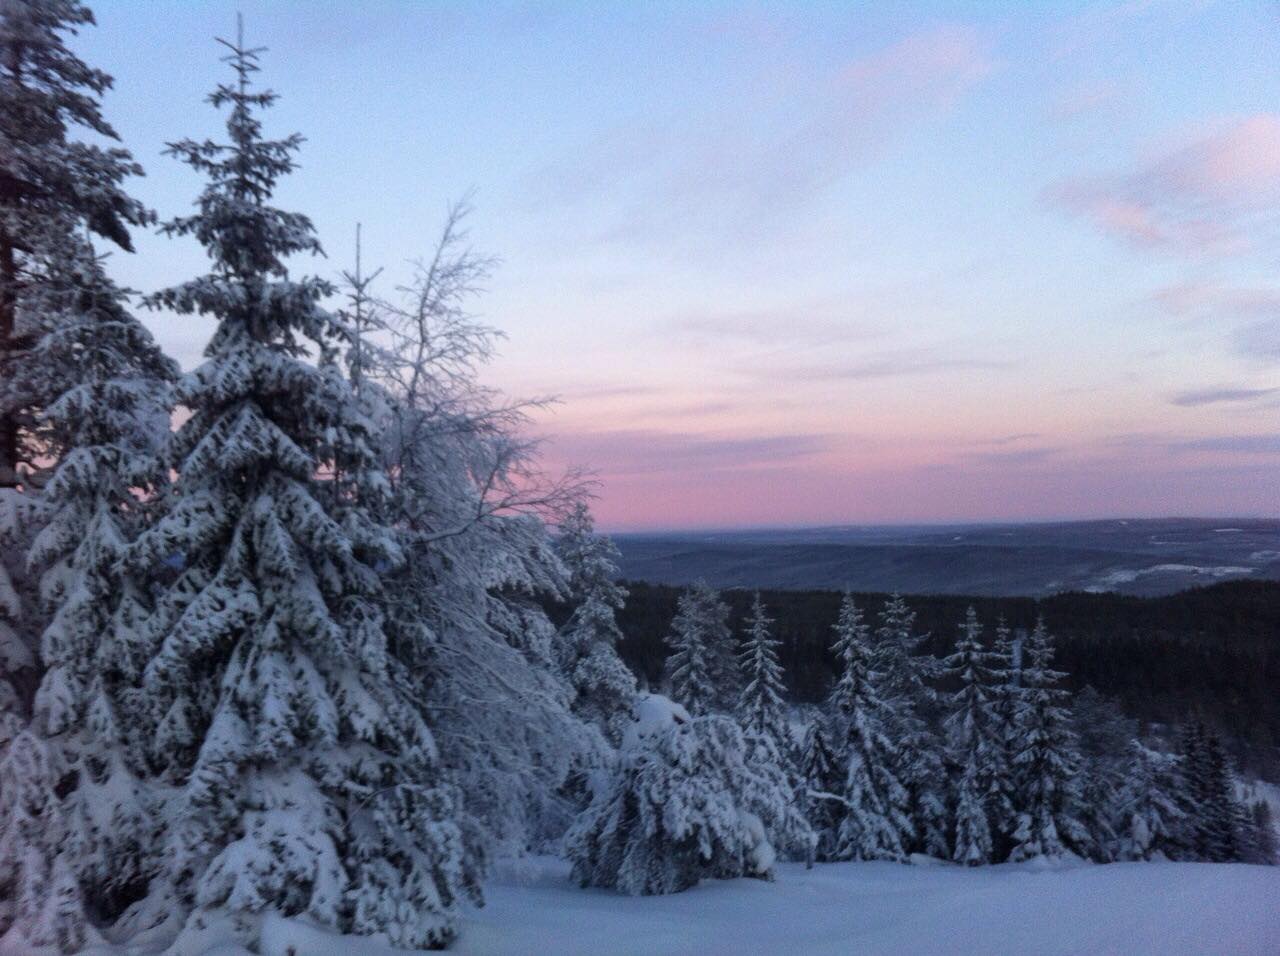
(1112, 579)
(885, 908)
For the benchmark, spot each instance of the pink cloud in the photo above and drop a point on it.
(1240, 164)
(1208, 196)
(931, 69)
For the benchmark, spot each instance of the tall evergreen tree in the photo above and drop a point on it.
(106, 427)
(52, 186)
(821, 782)
(1194, 792)
(605, 688)
(918, 754)
(1006, 691)
(1152, 819)
(19, 673)
(722, 649)
(973, 742)
(55, 190)
(1107, 739)
(1260, 835)
(875, 824)
(697, 667)
(1046, 758)
(762, 708)
(1214, 811)
(1224, 811)
(306, 768)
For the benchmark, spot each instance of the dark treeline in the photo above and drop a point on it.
(1209, 652)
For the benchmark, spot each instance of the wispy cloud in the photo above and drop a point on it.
(766, 155)
(624, 452)
(1012, 439)
(1014, 458)
(1255, 314)
(1200, 299)
(804, 325)
(1219, 396)
(1246, 444)
(603, 392)
(896, 364)
(1211, 195)
(1259, 341)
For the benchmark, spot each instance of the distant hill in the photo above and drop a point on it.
(1140, 557)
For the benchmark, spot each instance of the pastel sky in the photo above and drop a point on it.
(805, 263)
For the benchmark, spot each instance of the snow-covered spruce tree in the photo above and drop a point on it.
(1214, 811)
(973, 743)
(821, 783)
(971, 839)
(587, 644)
(1151, 819)
(1006, 690)
(1046, 758)
(51, 186)
(1224, 811)
(874, 823)
(722, 648)
(919, 758)
(1193, 767)
(702, 669)
(106, 428)
(467, 503)
(1107, 740)
(689, 666)
(19, 672)
(1260, 836)
(307, 773)
(686, 803)
(762, 708)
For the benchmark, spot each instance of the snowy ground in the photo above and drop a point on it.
(871, 908)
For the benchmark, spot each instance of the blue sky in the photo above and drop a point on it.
(801, 263)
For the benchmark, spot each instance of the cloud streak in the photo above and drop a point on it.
(897, 364)
(1235, 444)
(637, 451)
(1220, 396)
(1210, 196)
(766, 155)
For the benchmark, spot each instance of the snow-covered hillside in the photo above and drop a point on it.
(872, 908)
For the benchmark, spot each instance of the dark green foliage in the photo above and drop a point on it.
(1217, 815)
(1260, 835)
(1212, 652)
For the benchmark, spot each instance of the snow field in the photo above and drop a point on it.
(1125, 909)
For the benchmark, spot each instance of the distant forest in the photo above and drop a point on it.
(1210, 652)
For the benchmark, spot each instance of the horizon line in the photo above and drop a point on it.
(948, 524)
